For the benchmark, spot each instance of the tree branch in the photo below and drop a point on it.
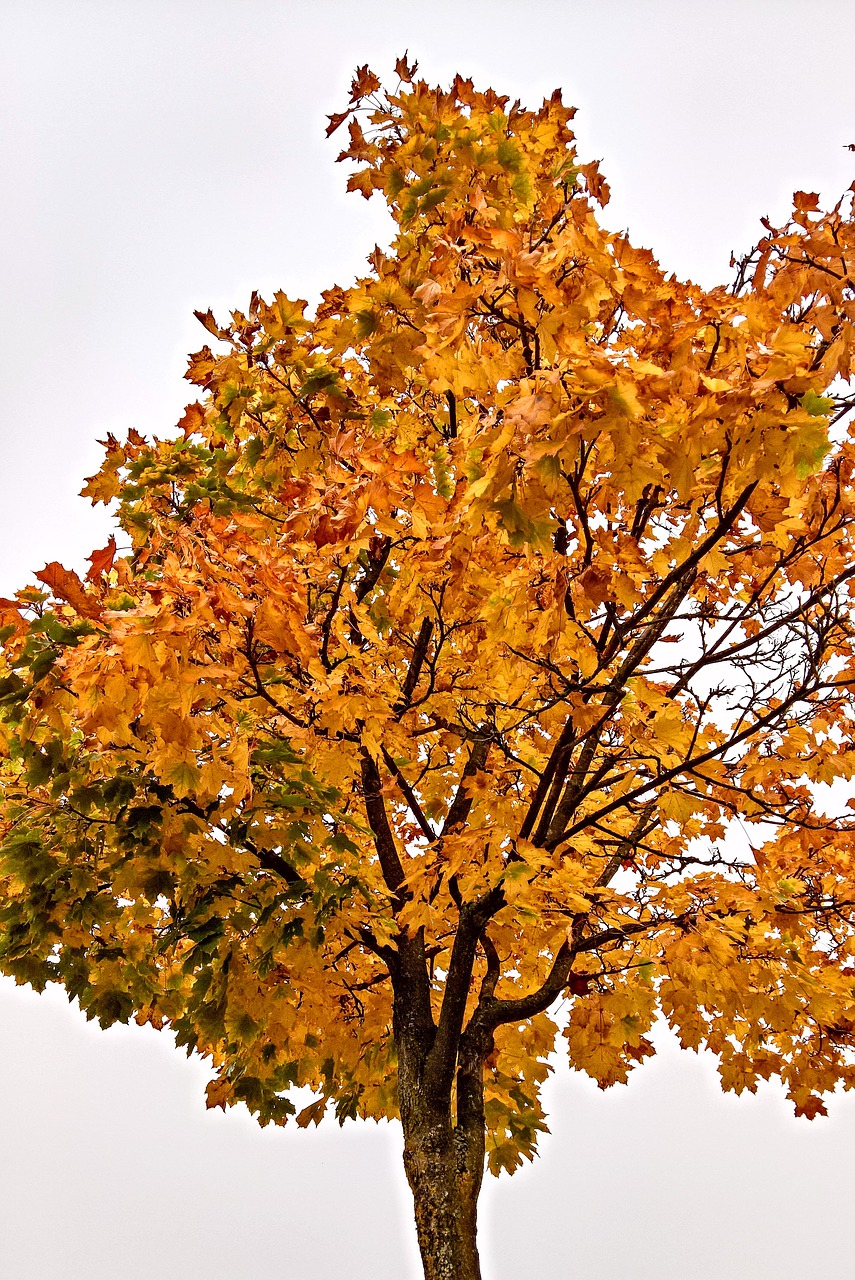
(462, 802)
(686, 766)
(443, 1056)
(452, 414)
(372, 570)
(326, 625)
(378, 821)
(415, 668)
(692, 561)
(495, 1013)
(410, 797)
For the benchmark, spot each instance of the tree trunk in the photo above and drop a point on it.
(441, 1104)
(445, 1201)
(444, 1161)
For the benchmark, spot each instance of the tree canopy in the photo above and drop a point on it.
(476, 668)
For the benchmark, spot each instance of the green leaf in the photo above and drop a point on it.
(816, 406)
(433, 198)
(366, 323)
(253, 451)
(380, 419)
(183, 777)
(318, 380)
(509, 155)
(395, 183)
(442, 480)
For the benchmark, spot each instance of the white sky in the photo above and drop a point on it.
(162, 157)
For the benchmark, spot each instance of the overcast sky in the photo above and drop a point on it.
(162, 157)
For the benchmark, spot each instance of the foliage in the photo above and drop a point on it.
(512, 589)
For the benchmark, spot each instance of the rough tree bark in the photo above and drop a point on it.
(445, 1194)
(442, 1114)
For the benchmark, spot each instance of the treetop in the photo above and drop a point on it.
(489, 630)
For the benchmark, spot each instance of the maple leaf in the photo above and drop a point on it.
(67, 586)
(336, 120)
(206, 319)
(101, 561)
(404, 70)
(192, 420)
(364, 83)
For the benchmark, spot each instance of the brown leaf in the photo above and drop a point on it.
(335, 120)
(597, 584)
(403, 71)
(206, 318)
(812, 1107)
(364, 82)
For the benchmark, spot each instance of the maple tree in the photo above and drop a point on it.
(470, 683)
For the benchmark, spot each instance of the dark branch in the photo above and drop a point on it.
(470, 929)
(410, 797)
(378, 821)
(452, 414)
(462, 802)
(415, 667)
(495, 1013)
(326, 625)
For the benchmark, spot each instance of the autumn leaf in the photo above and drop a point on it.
(365, 82)
(67, 586)
(206, 319)
(101, 562)
(192, 420)
(336, 120)
(404, 70)
(313, 1114)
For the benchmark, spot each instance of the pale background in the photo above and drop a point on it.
(159, 157)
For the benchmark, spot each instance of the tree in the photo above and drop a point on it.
(475, 674)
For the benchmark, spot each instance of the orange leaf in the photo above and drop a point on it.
(217, 1092)
(101, 561)
(66, 585)
(812, 1107)
(193, 419)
